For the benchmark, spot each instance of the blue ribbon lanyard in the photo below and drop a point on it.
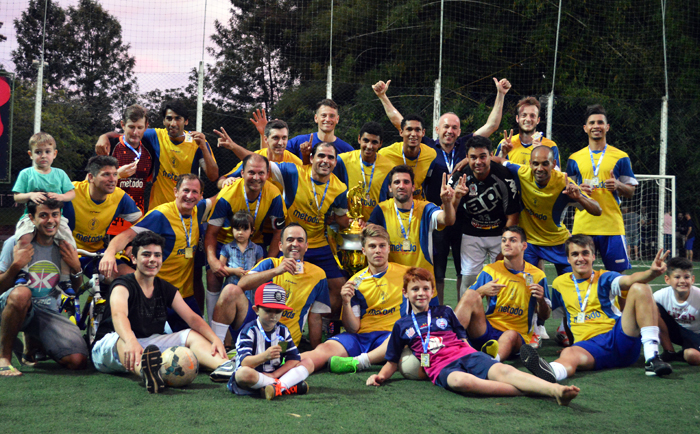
(451, 162)
(596, 167)
(417, 157)
(404, 233)
(364, 177)
(313, 190)
(588, 292)
(359, 278)
(262, 331)
(257, 208)
(138, 154)
(425, 342)
(187, 237)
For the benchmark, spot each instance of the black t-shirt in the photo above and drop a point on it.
(689, 225)
(484, 209)
(433, 181)
(146, 315)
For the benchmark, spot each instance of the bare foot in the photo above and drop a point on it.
(566, 393)
(7, 370)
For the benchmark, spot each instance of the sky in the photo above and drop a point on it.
(166, 36)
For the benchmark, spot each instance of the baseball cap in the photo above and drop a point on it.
(271, 296)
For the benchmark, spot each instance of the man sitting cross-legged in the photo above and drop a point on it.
(135, 319)
(372, 302)
(516, 290)
(604, 337)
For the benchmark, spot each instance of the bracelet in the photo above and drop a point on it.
(77, 275)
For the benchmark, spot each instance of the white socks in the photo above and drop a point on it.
(650, 341)
(211, 298)
(293, 376)
(363, 360)
(559, 371)
(263, 380)
(219, 329)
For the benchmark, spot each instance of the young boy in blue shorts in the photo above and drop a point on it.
(276, 370)
(241, 254)
(440, 342)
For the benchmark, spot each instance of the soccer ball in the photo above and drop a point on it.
(409, 366)
(180, 366)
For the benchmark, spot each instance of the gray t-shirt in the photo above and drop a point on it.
(44, 268)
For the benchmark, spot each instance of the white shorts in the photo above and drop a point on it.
(25, 226)
(475, 250)
(106, 358)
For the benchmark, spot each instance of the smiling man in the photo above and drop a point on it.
(179, 222)
(604, 173)
(327, 118)
(604, 337)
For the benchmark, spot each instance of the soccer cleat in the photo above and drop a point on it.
(535, 341)
(343, 365)
(232, 353)
(672, 356)
(561, 338)
(539, 367)
(490, 348)
(656, 366)
(276, 389)
(151, 362)
(223, 373)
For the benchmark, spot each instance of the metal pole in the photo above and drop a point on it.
(329, 80)
(550, 99)
(673, 216)
(40, 77)
(437, 98)
(200, 82)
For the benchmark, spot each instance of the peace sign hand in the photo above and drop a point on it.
(224, 139)
(461, 188)
(507, 144)
(446, 192)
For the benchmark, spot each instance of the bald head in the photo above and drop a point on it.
(448, 129)
(543, 152)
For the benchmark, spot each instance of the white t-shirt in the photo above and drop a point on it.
(686, 314)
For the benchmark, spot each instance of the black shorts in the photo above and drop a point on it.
(679, 335)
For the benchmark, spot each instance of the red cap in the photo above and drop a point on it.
(271, 296)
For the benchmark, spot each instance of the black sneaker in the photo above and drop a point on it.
(539, 367)
(672, 356)
(223, 373)
(656, 366)
(151, 362)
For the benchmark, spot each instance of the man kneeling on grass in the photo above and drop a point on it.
(135, 318)
(440, 342)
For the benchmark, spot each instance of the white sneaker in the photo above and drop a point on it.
(223, 373)
(542, 332)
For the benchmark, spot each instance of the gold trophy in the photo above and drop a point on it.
(347, 241)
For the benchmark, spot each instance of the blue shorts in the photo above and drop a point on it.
(552, 254)
(490, 333)
(689, 243)
(176, 323)
(323, 257)
(613, 252)
(234, 388)
(477, 364)
(613, 349)
(358, 343)
(86, 264)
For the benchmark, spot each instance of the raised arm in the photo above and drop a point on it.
(574, 192)
(494, 120)
(394, 116)
(657, 268)
(102, 146)
(259, 119)
(210, 166)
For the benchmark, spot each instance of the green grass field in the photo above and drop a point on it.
(50, 399)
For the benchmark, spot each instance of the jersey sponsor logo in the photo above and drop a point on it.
(593, 315)
(173, 161)
(399, 248)
(511, 310)
(536, 215)
(410, 332)
(93, 224)
(131, 183)
(485, 202)
(435, 344)
(289, 314)
(89, 239)
(381, 311)
(485, 225)
(370, 202)
(441, 322)
(170, 176)
(305, 217)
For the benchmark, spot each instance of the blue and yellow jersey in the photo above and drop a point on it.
(165, 221)
(298, 195)
(420, 165)
(420, 233)
(232, 198)
(306, 292)
(580, 169)
(287, 157)
(348, 170)
(543, 207)
(520, 154)
(514, 306)
(379, 300)
(90, 220)
(602, 309)
(171, 161)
